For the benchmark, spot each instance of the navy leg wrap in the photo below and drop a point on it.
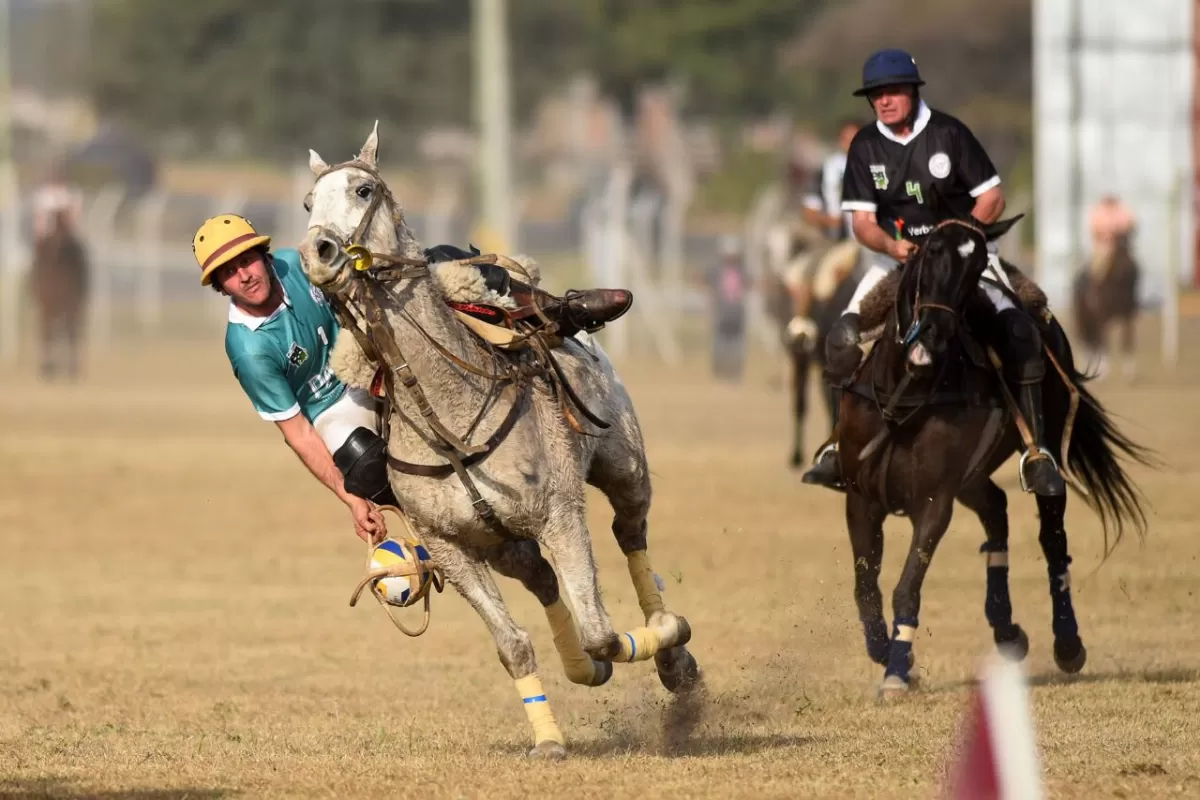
(900, 658)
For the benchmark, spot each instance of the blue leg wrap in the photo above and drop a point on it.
(900, 657)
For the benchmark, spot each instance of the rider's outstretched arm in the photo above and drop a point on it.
(308, 446)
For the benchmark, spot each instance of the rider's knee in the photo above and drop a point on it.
(362, 460)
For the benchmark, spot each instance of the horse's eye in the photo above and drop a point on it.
(364, 191)
(308, 206)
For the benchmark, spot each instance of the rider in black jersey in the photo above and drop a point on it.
(891, 168)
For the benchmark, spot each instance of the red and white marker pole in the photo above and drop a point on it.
(997, 757)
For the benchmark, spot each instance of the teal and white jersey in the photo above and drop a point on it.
(282, 361)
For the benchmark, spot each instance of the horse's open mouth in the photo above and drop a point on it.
(919, 356)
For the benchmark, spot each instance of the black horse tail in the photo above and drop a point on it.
(1096, 448)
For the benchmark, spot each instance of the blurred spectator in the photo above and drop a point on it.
(729, 284)
(1110, 221)
(57, 195)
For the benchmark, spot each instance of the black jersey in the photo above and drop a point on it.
(892, 177)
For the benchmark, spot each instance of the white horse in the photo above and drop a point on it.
(531, 470)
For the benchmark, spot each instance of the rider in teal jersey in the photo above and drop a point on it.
(278, 339)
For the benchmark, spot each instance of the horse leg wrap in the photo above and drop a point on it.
(578, 666)
(997, 605)
(900, 659)
(645, 583)
(1064, 624)
(537, 708)
(639, 644)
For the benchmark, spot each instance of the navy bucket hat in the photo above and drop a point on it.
(889, 68)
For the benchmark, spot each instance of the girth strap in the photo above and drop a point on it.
(446, 470)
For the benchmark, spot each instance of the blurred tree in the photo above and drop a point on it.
(285, 75)
(725, 53)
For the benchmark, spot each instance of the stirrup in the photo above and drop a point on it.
(1036, 452)
(831, 447)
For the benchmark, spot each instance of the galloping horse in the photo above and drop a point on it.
(1106, 292)
(926, 421)
(484, 455)
(59, 281)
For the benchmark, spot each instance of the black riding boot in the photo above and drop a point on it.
(1039, 473)
(842, 356)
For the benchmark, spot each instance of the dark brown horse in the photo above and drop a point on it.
(1104, 294)
(923, 428)
(59, 280)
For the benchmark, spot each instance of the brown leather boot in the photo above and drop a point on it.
(578, 310)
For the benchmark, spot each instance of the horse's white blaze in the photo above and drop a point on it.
(966, 248)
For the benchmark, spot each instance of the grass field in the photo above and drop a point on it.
(174, 587)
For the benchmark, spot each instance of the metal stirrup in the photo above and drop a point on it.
(1038, 452)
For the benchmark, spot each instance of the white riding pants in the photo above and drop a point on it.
(355, 409)
(881, 265)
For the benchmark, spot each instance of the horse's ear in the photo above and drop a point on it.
(1001, 227)
(370, 149)
(316, 163)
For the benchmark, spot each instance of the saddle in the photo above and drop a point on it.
(879, 301)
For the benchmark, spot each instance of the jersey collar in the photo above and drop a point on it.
(240, 317)
(923, 114)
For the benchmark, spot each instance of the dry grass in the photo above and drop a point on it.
(174, 598)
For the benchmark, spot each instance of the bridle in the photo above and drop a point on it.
(919, 306)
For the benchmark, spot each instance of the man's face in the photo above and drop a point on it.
(892, 104)
(246, 279)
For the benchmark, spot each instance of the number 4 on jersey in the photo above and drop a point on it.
(914, 190)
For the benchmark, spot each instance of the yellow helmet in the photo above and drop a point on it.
(221, 239)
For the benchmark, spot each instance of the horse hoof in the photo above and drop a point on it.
(677, 670)
(893, 686)
(1015, 649)
(547, 751)
(685, 633)
(602, 673)
(1068, 663)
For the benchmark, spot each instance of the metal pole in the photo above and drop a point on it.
(10, 328)
(1074, 68)
(496, 230)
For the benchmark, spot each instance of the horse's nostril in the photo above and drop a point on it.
(326, 250)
